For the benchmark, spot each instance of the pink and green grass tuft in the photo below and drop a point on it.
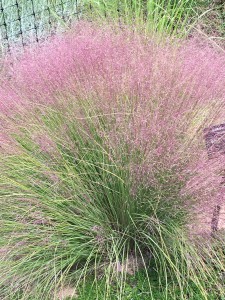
(103, 165)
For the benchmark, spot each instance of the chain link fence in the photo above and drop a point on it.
(26, 21)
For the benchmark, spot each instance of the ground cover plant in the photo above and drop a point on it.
(104, 172)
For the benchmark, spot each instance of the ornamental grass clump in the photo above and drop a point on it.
(104, 167)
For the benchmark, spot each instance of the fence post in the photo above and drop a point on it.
(35, 25)
(5, 26)
(20, 22)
